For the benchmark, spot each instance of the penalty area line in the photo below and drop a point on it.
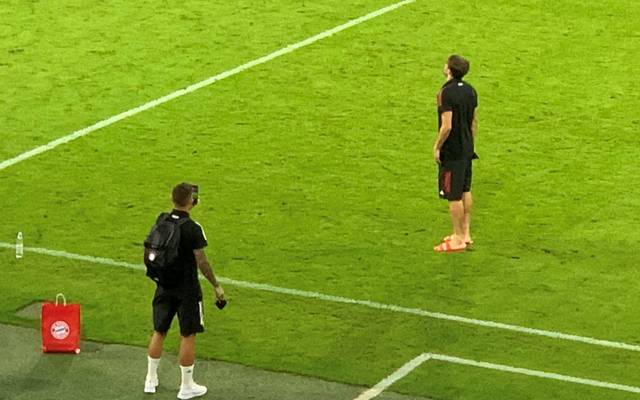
(393, 378)
(416, 362)
(532, 372)
(196, 86)
(365, 303)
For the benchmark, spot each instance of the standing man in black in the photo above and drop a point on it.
(184, 297)
(453, 150)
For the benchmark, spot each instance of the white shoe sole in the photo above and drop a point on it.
(150, 387)
(190, 394)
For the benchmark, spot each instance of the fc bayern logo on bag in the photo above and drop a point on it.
(60, 330)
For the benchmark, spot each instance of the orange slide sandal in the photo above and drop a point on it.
(450, 237)
(445, 247)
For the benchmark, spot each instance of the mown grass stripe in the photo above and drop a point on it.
(346, 300)
(196, 86)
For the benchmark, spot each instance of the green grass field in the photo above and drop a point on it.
(316, 174)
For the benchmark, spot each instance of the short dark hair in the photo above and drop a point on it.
(458, 65)
(181, 194)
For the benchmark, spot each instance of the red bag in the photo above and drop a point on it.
(60, 327)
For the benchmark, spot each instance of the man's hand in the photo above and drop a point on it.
(219, 292)
(436, 155)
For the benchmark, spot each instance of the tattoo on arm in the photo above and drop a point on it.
(205, 267)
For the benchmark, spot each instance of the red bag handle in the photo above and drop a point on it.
(63, 298)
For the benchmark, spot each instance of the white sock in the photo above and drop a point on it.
(187, 375)
(152, 367)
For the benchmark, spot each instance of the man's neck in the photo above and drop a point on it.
(184, 209)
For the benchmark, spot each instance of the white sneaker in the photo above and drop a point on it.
(150, 384)
(189, 392)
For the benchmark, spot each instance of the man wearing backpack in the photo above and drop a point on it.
(178, 291)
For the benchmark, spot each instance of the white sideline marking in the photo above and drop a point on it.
(416, 362)
(199, 85)
(391, 379)
(346, 300)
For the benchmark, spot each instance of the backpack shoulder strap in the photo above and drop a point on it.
(182, 221)
(162, 216)
(167, 217)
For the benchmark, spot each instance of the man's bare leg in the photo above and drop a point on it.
(456, 209)
(187, 350)
(155, 344)
(467, 202)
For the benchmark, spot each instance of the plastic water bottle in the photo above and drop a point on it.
(19, 246)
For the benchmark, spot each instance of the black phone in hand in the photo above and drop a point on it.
(220, 303)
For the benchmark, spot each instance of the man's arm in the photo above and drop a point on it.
(474, 124)
(443, 134)
(207, 271)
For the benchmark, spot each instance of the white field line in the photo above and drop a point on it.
(391, 379)
(365, 303)
(531, 372)
(199, 85)
(416, 362)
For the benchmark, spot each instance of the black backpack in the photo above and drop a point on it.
(161, 251)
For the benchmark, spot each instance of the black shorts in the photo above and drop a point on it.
(454, 178)
(166, 304)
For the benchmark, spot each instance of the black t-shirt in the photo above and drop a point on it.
(192, 237)
(461, 99)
